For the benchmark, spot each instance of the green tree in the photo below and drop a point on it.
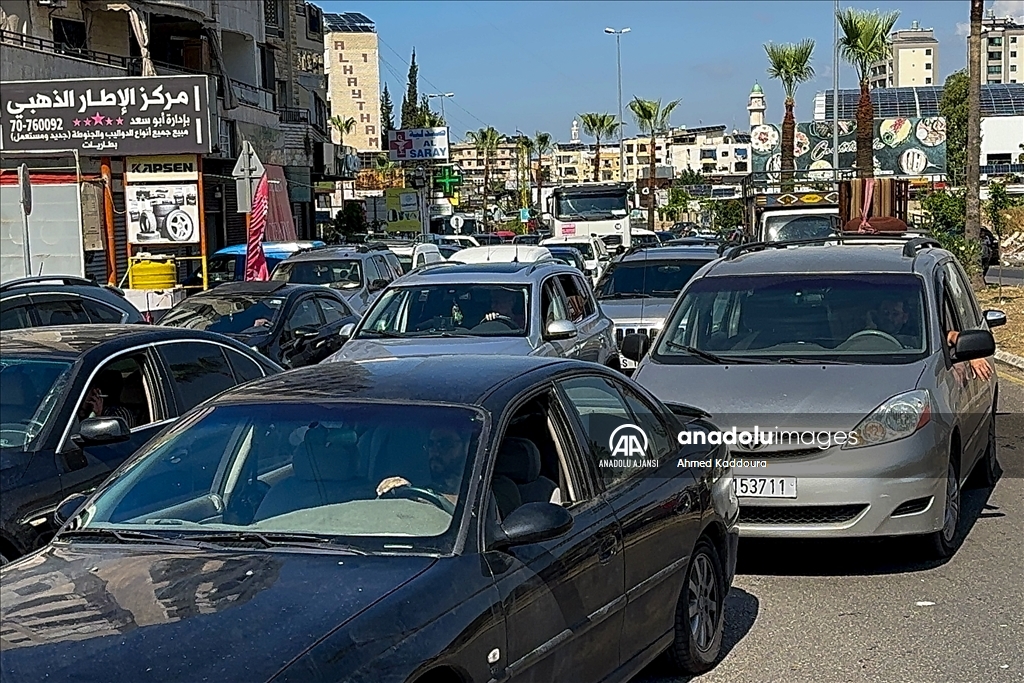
(387, 116)
(790, 64)
(600, 127)
(652, 118)
(946, 211)
(953, 107)
(726, 214)
(427, 117)
(344, 126)
(690, 177)
(864, 40)
(542, 144)
(411, 102)
(486, 141)
(350, 221)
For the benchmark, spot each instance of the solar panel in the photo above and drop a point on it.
(997, 99)
(349, 22)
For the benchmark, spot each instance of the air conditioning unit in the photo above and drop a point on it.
(55, 4)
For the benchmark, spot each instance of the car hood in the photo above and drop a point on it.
(367, 349)
(117, 613)
(791, 395)
(638, 311)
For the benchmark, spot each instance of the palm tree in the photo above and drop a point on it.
(865, 40)
(598, 126)
(791, 65)
(972, 227)
(524, 155)
(542, 144)
(652, 118)
(486, 141)
(344, 126)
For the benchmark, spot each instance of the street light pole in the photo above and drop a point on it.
(618, 62)
(835, 92)
(442, 97)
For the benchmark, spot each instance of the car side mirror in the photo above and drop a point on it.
(560, 329)
(635, 346)
(97, 431)
(604, 257)
(68, 508)
(346, 331)
(306, 332)
(972, 344)
(533, 523)
(377, 285)
(995, 318)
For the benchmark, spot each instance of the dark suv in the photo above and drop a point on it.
(358, 272)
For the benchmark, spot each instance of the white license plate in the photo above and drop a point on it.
(764, 487)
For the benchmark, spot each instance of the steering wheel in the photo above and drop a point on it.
(503, 319)
(425, 495)
(873, 333)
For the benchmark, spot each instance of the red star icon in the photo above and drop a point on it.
(98, 119)
(119, 120)
(77, 122)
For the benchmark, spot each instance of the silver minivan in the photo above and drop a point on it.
(857, 376)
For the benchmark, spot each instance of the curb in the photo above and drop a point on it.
(1010, 359)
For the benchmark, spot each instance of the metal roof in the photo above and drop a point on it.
(349, 22)
(997, 99)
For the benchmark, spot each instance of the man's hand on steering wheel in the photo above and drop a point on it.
(494, 315)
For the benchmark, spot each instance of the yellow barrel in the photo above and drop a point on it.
(153, 274)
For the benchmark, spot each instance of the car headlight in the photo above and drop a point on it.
(897, 418)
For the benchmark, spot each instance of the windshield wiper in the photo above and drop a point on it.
(811, 361)
(711, 357)
(131, 536)
(273, 540)
(383, 333)
(625, 295)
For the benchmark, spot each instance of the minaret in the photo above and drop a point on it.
(756, 106)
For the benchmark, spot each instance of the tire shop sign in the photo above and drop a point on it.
(161, 169)
(107, 116)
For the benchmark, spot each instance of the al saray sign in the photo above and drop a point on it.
(418, 143)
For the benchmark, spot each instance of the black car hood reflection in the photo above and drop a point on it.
(132, 614)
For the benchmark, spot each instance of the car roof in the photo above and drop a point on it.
(465, 379)
(522, 272)
(268, 288)
(272, 248)
(71, 341)
(680, 252)
(569, 239)
(347, 251)
(829, 258)
(502, 253)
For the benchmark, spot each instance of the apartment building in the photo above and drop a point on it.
(1002, 49)
(913, 60)
(353, 72)
(710, 150)
(267, 86)
(638, 155)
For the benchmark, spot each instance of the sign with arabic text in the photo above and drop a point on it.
(161, 169)
(403, 206)
(418, 143)
(107, 116)
(902, 147)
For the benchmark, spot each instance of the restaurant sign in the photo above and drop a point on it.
(107, 116)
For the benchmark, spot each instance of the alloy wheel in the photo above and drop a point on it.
(952, 516)
(703, 607)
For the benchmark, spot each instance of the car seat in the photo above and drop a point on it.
(63, 318)
(519, 460)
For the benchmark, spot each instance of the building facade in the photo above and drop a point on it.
(710, 150)
(913, 60)
(353, 73)
(1002, 49)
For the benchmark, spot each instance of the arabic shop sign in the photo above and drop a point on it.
(107, 116)
(418, 143)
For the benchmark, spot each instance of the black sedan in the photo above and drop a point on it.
(408, 520)
(77, 400)
(293, 325)
(45, 300)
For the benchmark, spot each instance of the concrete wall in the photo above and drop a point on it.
(1002, 135)
(19, 64)
(244, 16)
(354, 86)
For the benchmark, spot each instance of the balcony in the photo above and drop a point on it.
(27, 58)
(254, 96)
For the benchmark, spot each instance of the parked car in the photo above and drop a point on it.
(77, 400)
(414, 256)
(62, 300)
(570, 256)
(638, 289)
(448, 250)
(593, 249)
(642, 238)
(228, 264)
(293, 325)
(842, 339)
(484, 239)
(501, 253)
(541, 308)
(263, 509)
(532, 238)
(359, 273)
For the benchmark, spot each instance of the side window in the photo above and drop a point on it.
(333, 311)
(371, 270)
(384, 268)
(553, 304)
(246, 369)
(962, 298)
(420, 259)
(601, 409)
(662, 441)
(14, 315)
(122, 387)
(304, 314)
(199, 371)
(579, 306)
(60, 310)
(102, 313)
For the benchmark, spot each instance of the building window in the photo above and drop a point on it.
(997, 69)
(629, 161)
(928, 66)
(69, 35)
(314, 22)
(1013, 53)
(272, 13)
(995, 42)
(741, 166)
(927, 52)
(629, 148)
(1013, 67)
(928, 80)
(643, 148)
(995, 56)
(1013, 40)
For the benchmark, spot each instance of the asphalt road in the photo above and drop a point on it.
(868, 611)
(1011, 276)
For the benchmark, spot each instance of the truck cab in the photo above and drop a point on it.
(591, 210)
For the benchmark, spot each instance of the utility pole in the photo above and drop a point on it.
(442, 97)
(618, 62)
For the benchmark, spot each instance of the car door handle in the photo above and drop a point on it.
(607, 549)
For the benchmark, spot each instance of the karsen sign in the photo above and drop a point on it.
(418, 143)
(161, 168)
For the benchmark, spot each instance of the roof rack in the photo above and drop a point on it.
(912, 243)
(35, 279)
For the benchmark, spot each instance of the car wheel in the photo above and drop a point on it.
(986, 472)
(943, 542)
(700, 613)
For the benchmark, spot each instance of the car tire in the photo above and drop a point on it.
(698, 644)
(943, 543)
(986, 472)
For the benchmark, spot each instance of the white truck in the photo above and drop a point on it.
(779, 225)
(585, 209)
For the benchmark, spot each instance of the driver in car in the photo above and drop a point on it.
(506, 305)
(447, 450)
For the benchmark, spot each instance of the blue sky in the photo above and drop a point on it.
(536, 65)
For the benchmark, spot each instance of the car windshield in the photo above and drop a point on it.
(783, 228)
(300, 468)
(221, 269)
(340, 273)
(594, 206)
(31, 390)
(664, 279)
(857, 317)
(585, 248)
(484, 310)
(567, 257)
(645, 240)
(226, 314)
(405, 260)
